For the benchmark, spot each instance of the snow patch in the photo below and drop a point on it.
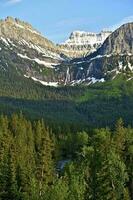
(75, 82)
(94, 80)
(10, 42)
(26, 76)
(5, 41)
(130, 66)
(54, 84)
(130, 79)
(40, 62)
(39, 49)
(91, 80)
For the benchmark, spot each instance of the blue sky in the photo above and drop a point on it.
(56, 19)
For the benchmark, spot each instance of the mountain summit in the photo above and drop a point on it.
(119, 42)
(115, 56)
(26, 51)
(17, 30)
(81, 43)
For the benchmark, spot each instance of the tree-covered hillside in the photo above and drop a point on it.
(96, 105)
(98, 163)
(60, 150)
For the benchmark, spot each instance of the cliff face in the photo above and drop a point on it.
(83, 43)
(87, 38)
(119, 42)
(115, 56)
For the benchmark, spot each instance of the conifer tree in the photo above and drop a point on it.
(12, 187)
(45, 170)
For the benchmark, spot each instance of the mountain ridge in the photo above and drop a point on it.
(27, 53)
(113, 57)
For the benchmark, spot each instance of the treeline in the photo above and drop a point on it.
(79, 107)
(12, 85)
(99, 163)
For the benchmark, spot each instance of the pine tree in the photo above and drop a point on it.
(12, 187)
(76, 182)
(45, 170)
(59, 190)
(128, 158)
(4, 149)
(106, 171)
(119, 137)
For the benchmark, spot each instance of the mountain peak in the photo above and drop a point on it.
(82, 43)
(9, 19)
(16, 22)
(87, 38)
(17, 31)
(119, 42)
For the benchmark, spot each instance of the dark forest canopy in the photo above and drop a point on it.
(99, 162)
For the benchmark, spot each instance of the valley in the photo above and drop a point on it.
(66, 114)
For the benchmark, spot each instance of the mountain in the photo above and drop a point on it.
(119, 42)
(82, 158)
(115, 56)
(23, 50)
(81, 43)
(25, 53)
(28, 59)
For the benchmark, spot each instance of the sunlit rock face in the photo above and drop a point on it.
(82, 43)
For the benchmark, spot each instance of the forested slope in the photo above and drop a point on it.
(99, 162)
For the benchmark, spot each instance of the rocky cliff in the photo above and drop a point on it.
(82, 43)
(115, 56)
